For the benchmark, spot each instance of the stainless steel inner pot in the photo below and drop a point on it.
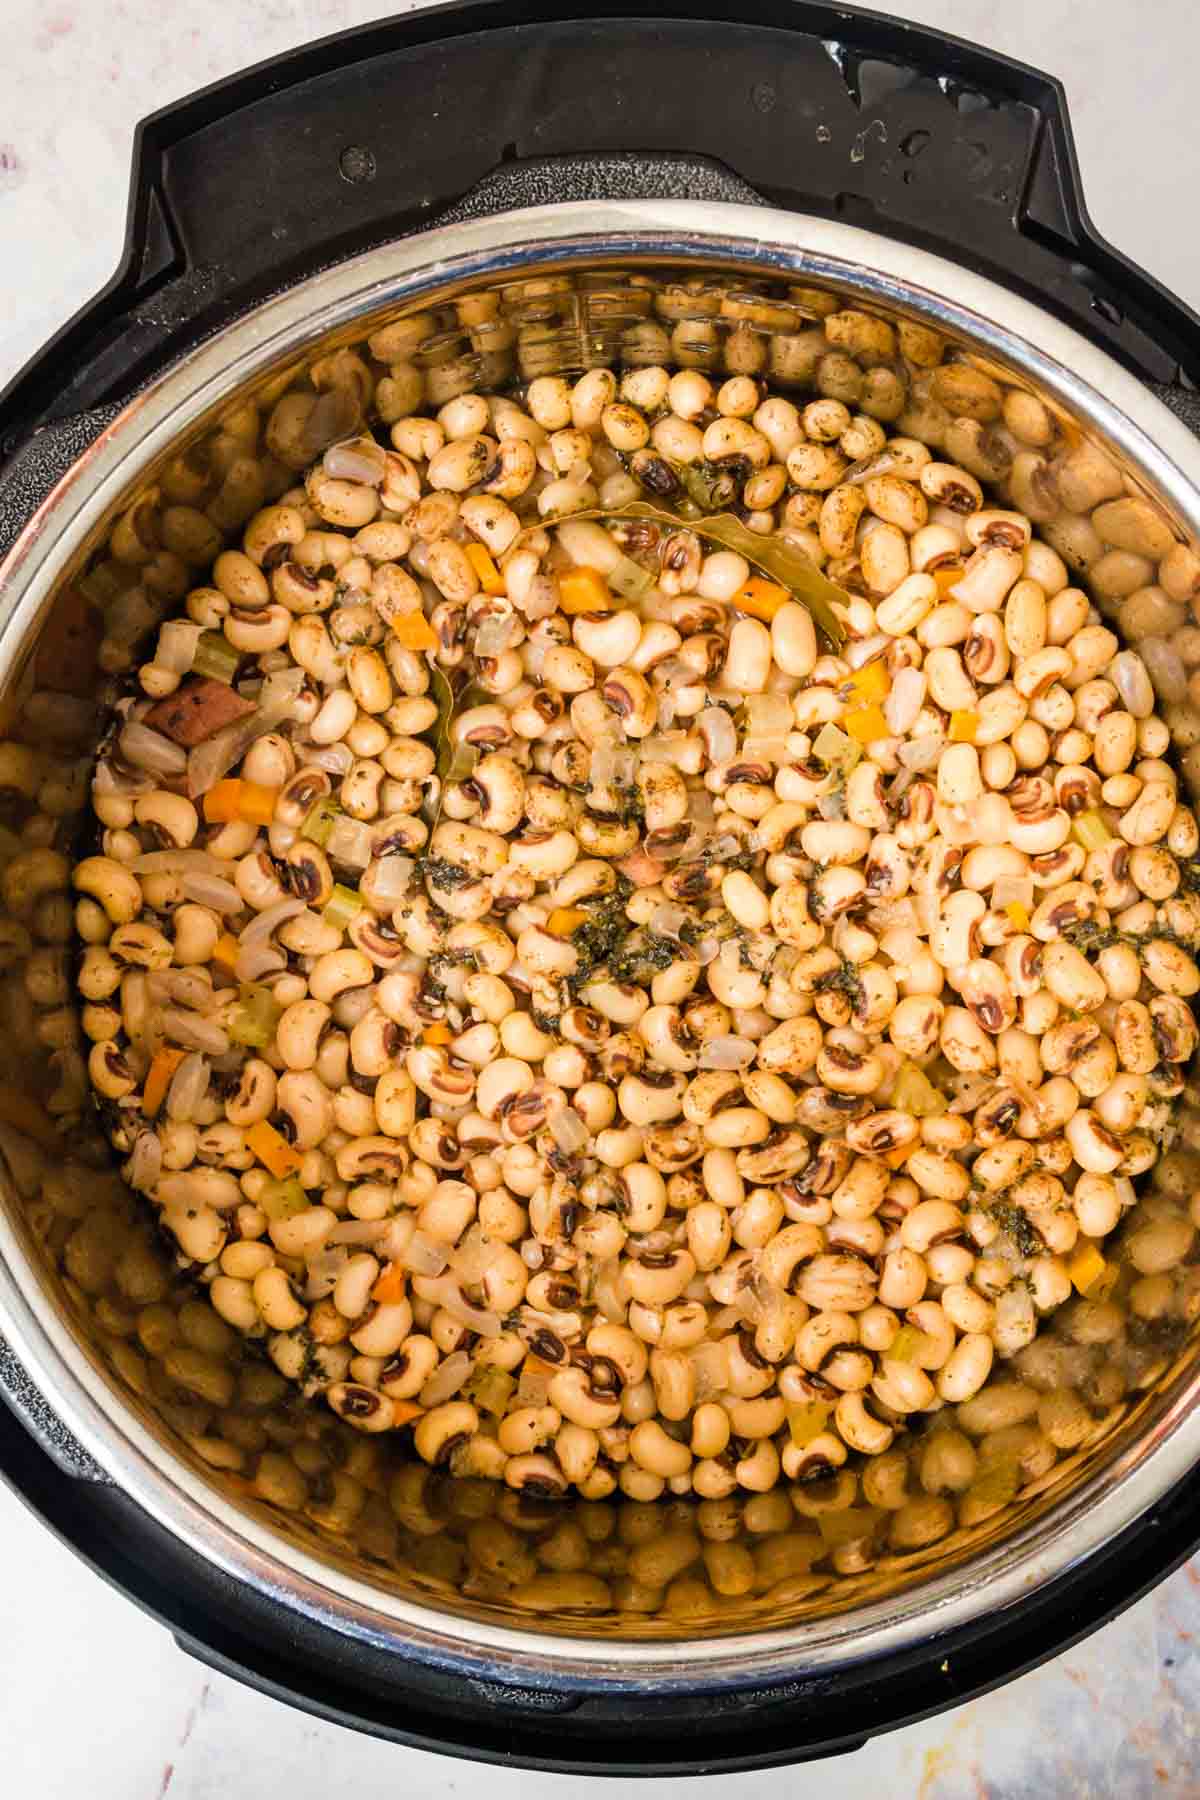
(87, 1297)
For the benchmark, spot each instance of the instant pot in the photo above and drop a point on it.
(517, 189)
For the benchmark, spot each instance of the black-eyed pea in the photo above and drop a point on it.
(759, 1471)
(966, 1369)
(1160, 1245)
(438, 1431)
(576, 1393)
(674, 1378)
(920, 1522)
(661, 1455)
(109, 1071)
(276, 1302)
(27, 877)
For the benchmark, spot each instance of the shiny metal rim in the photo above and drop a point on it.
(1085, 381)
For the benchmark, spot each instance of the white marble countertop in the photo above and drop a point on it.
(95, 1699)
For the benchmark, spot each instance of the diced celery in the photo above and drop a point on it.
(283, 1199)
(343, 905)
(320, 821)
(254, 1019)
(216, 657)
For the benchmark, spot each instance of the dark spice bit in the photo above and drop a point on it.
(1018, 1226)
(846, 980)
(446, 876)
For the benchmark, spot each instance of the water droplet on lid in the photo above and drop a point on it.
(913, 142)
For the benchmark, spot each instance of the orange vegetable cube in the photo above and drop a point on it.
(865, 724)
(584, 591)
(963, 726)
(564, 920)
(490, 578)
(405, 1411)
(273, 1150)
(245, 801)
(225, 951)
(436, 1034)
(760, 598)
(414, 632)
(1018, 914)
(1087, 1268)
(391, 1287)
(159, 1080)
(869, 683)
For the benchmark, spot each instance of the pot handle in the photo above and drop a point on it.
(255, 182)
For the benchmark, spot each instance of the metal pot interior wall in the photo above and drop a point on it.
(1109, 1373)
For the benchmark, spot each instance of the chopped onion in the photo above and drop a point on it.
(323, 1271)
(921, 753)
(929, 910)
(727, 1053)
(213, 759)
(253, 961)
(707, 951)
(606, 1291)
(498, 633)
(356, 459)
(179, 862)
(177, 641)
(768, 715)
(421, 1256)
(717, 730)
(109, 779)
(210, 890)
(472, 1257)
(892, 915)
(391, 877)
(720, 849)
(663, 746)
(1013, 890)
(189, 1084)
(264, 924)
(766, 749)
(568, 1130)
(533, 1389)
(446, 1379)
(710, 1365)
(145, 1165)
(335, 759)
(150, 750)
(450, 1298)
(668, 921)
(359, 1231)
(349, 841)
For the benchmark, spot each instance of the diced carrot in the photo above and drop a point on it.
(1018, 914)
(947, 576)
(963, 726)
(405, 1411)
(865, 724)
(490, 578)
(895, 1159)
(436, 1034)
(1086, 1268)
(159, 1080)
(414, 632)
(582, 591)
(27, 1117)
(537, 1365)
(391, 1287)
(246, 802)
(760, 598)
(225, 951)
(564, 920)
(869, 683)
(273, 1150)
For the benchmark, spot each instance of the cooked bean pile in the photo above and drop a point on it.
(567, 1009)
